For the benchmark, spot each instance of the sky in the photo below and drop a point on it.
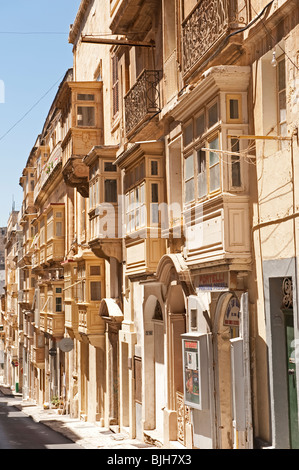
(31, 68)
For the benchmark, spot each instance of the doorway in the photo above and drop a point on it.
(159, 375)
(291, 378)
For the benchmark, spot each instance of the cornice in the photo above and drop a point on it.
(229, 78)
(75, 27)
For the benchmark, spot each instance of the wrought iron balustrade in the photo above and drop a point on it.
(206, 25)
(143, 99)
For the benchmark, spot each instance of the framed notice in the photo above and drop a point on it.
(195, 371)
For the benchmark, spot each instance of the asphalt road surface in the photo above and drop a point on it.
(18, 431)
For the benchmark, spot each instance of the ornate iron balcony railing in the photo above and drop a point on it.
(206, 25)
(143, 99)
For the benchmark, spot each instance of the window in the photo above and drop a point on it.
(135, 208)
(58, 229)
(202, 173)
(50, 227)
(93, 193)
(58, 301)
(85, 97)
(189, 178)
(154, 168)
(110, 190)
(95, 270)
(200, 125)
(235, 164)
(109, 166)
(95, 290)
(214, 165)
(213, 115)
(85, 116)
(42, 232)
(233, 108)
(83, 219)
(154, 203)
(282, 102)
(81, 283)
(115, 99)
(188, 134)
(132, 177)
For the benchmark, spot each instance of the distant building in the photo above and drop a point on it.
(3, 231)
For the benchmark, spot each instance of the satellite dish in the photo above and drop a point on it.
(66, 344)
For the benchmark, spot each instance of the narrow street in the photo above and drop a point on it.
(18, 431)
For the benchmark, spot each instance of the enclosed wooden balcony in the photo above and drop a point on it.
(38, 349)
(52, 324)
(38, 357)
(91, 325)
(205, 28)
(81, 105)
(144, 180)
(70, 305)
(50, 170)
(143, 103)
(104, 193)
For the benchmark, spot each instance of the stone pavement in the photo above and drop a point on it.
(87, 435)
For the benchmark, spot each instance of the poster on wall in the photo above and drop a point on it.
(191, 373)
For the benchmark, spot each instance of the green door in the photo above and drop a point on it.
(291, 375)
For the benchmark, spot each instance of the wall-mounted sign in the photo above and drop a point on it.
(66, 344)
(212, 282)
(232, 313)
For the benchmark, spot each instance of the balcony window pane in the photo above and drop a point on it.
(282, 106)
(142, 216)
(214, 178)
(154, 213)
(86, 116)
(200, 125)
(95, 291)
(213, 114)
(188, 134)
(214, 158)
(85, 97)
(189, 178)
(95, 270)
(50, 230)
(110, 191)
(214, 166)
(235, 163)
(155, 194)
(109, 166)
(202, 173)
(189, 167)
(154, 168)
(58, 304)
(58, 229)
(234, 109)
(281, 75)
(189, 190)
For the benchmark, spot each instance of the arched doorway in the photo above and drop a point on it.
(174, 278)
(232, 372)
(154, 364)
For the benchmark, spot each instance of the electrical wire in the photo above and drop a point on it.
(273, 39)
(29, 110)
(32, 32)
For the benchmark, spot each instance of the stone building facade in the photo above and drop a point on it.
(160, 227)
